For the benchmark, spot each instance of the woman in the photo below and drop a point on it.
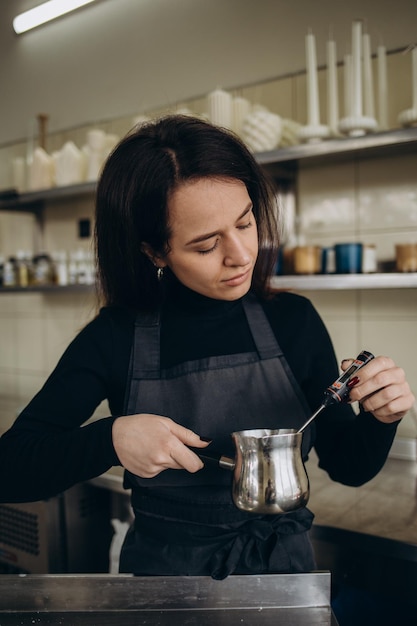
(190, 346)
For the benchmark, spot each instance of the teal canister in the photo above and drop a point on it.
(348, 257)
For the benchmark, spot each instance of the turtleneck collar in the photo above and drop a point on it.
(185, 301)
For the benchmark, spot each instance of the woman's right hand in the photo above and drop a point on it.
(147, 444)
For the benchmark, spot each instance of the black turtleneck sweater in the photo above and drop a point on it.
(50, 448)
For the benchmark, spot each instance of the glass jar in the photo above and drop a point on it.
(10, 273)
(42, 270)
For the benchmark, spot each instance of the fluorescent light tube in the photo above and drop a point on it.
(44, 13)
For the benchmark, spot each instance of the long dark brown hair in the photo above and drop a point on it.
(132, 203)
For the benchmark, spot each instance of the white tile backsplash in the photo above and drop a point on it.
(393, 304)
(385, 241)
(380, 207)
(61, 224)
(338, 312)
(326, 198)
(60, 332)
(8, 342)
(394, 338)
(387, 193)
(382, 321)
(28, 304)
(30, 351)
(340, 305)
(60, 305)
(7, 304)
(17, 232)
(8, 383)
(85, 312)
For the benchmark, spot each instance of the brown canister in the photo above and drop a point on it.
(307, 259)
(406, 257)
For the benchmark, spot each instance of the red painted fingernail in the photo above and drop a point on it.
(353, 381)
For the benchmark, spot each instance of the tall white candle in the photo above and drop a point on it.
(332, 95)
(409, 116)
(356, 68)
(368, 80)
(313, 114)
(347, 84)
(414, 77)
(382, 88)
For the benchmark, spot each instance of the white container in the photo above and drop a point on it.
(369, 261)
(220, 108)
(19, 174)
(68, 165)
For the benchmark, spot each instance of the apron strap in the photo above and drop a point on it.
(262, 333)
(145, 361)
(145, 355)
(145, 358)
(268, 346)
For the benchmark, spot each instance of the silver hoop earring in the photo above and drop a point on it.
(159, 273)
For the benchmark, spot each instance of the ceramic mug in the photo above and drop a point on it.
(348, 258)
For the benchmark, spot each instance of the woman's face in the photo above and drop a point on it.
(214, 242)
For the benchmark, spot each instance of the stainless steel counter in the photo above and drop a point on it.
(105, 600)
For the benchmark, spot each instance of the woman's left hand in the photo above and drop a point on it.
(382, 389)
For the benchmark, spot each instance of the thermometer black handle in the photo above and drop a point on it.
(339, 390)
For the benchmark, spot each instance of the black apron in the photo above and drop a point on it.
(187, 524)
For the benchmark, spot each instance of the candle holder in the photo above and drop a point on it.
(313, 133)
(408, 117)
(357, 126)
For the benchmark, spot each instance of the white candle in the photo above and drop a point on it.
(220, 108)
(347, 84)
(313, 115)
(382, 88)
(356, 68)
(332, 96)
(414, 77)
(241, 108)
(368, 82)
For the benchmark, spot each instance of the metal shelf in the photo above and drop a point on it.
(320, 282)
(377, 144)
(282, 163)
(33, 200)
(346, 281)
(46, 289)
(285, 160)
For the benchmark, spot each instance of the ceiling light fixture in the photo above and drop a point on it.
(44, 13)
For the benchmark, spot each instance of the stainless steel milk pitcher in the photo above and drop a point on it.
(269, 473)
(268, 470)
